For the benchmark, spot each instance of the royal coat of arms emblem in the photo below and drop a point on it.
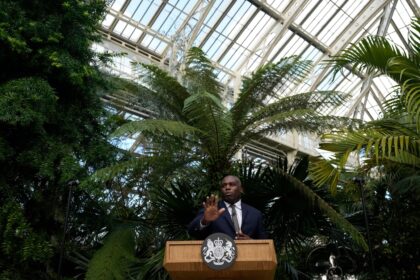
(218, 251)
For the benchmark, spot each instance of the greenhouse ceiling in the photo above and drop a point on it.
(239, 36)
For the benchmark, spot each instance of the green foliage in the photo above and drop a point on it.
(191, 137)
(155, 127)
(151, 267)
(199, 74)
(298, 216)
(216, 133)
(175, 208)
(393, 209)
(18, 240)
(386, 153)
(392, 140)
(113, 260)
(26, 102)
(53, 130)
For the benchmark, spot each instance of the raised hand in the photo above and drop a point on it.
(211, 212)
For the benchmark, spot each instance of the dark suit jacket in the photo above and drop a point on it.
(252, 224)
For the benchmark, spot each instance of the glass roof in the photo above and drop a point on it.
(240, 35)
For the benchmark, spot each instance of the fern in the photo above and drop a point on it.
(113, 260)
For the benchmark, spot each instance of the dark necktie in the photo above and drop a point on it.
(235, 219)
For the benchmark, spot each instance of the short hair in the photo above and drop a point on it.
(238, 181)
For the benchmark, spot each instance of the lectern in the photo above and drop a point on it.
(256, 259)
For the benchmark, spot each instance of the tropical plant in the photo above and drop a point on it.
(392, 140)
(191, 137)
(299, 216)
(386, 153)
(53, 130)
(193, 111)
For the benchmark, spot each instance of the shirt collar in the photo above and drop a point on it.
(237, 204)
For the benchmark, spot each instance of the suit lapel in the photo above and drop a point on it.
(226, 215)
(244, 209)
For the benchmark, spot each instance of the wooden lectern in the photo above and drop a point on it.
(256, 259)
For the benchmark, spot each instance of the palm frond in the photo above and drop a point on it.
(112, 171)
(311, 101)
(113, 260)
(324, 172)
(408, 74)
(206, 112)
(414, 38)
(200, 74)
(305, 121)
(335, 217)
(150, 268)
(406, 159)
(156, 127)
(371, 54)
(167, 91)
(408, 185)
(264, 82)
(377, 55)
(373, 143)
(175, 209)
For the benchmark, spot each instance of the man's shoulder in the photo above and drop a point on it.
(250, 208)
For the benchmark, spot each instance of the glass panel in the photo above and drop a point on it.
(154, 44)
(215, 13)
(279, 5)
(385, 86)
(314, 22)
(213, 46)
(147, 39)
(294, 46)
(334, 28)
(280, 45)
(131, 8)
(167, 21)
(311, 53)
(117, 4)
(161, 47)
(253, 63)
(234, 55)
(184, 5)
(136, 35)
(146, 11)
(108, 21)
(128, 30)
(162, 18)
(256, 31)
(306, 11)
(119, 28)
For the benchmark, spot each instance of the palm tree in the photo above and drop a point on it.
(390, 149)
(391, 142)
(299, 216)
(191, 137)
(210, 133)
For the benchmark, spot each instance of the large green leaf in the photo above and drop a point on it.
(156, 127)
(113, 260)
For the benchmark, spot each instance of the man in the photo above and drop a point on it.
(230, 216)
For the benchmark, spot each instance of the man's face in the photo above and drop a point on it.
(231, 189)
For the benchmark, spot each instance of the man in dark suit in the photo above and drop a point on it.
(230, 215)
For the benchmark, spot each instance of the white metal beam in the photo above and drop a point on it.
(382, 28)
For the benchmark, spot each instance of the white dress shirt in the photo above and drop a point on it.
(238, 208)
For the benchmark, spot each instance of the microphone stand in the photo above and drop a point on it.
(71, 184)
(360, 182)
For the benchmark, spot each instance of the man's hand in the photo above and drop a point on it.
(211, 213)
(241, 236)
